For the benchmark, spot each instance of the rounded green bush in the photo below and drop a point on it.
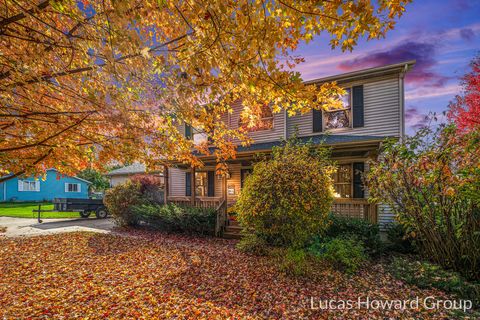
(287, 198)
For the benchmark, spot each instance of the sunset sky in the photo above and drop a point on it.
(442, 35)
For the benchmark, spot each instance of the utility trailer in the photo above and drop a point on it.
(84, 207)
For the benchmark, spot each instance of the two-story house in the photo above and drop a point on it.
(373, 110)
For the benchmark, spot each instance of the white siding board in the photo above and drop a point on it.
(218, 186)
(176, 182)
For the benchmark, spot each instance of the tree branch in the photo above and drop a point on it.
(5, 22)
(19, 173)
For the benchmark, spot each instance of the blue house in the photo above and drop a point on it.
(53, 186)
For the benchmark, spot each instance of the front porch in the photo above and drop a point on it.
(350, 208)
(205, 189)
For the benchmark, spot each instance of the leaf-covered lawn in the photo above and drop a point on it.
(154, 275)
(24, 210)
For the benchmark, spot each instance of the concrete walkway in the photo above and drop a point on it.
(30, 227)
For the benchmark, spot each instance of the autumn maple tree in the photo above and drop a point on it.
(88, 82)
(465, 109)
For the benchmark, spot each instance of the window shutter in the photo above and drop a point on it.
(358, 112)
(188, 131)
(20, 185)
(211, 183)
(66, 187)
(358, 190)
(317, 120)
(188, 183)
(37, 185)
(79, 187)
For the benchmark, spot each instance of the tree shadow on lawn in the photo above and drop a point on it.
(213, 270)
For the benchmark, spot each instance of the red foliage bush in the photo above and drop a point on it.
(148, 182)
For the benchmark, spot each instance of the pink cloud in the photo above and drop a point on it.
(422, 52)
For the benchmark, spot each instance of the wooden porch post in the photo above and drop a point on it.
(165, 184)
(192, 183)
(224, 188)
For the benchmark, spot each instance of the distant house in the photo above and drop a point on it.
(119, 176)
(55, 185)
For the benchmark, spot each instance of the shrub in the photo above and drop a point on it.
(177, 218)
(345, 253)
(295, 262)
(360, 229)
(432, 183)
(150, 187)
(398, 240)
(251, 243)
(119, 201)
(428, 275)
(286, 199)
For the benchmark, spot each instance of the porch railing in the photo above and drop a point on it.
(355, 208)
(218, 203)
(221, 218)
(351, 208)
(200, 202)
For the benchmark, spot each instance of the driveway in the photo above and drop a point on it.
(30, 227)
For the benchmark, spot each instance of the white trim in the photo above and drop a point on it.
(79, 187)
(21, 185)
(349, 111)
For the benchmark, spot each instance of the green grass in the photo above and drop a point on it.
(24, 210)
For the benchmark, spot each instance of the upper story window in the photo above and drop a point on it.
(24, 185)
(265, 122)
(72, 187)
(198, 135)
(340, 118)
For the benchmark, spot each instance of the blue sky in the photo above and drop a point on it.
(442, 35)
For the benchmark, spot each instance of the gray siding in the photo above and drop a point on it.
(176, 182)
(381, 110)
(385, 215)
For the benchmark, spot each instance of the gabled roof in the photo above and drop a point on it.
(390, 69)
(127, 170)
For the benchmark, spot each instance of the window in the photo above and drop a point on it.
(340, 118)
(72, 187)
(342, 181)
(199, 136)
(265, 122)
(201, 184)
(24, 185)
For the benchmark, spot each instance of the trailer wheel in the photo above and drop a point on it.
(101, 213)
(85, 214)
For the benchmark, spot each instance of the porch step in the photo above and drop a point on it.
(233, 223)
(230, 235)
(232, 230)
